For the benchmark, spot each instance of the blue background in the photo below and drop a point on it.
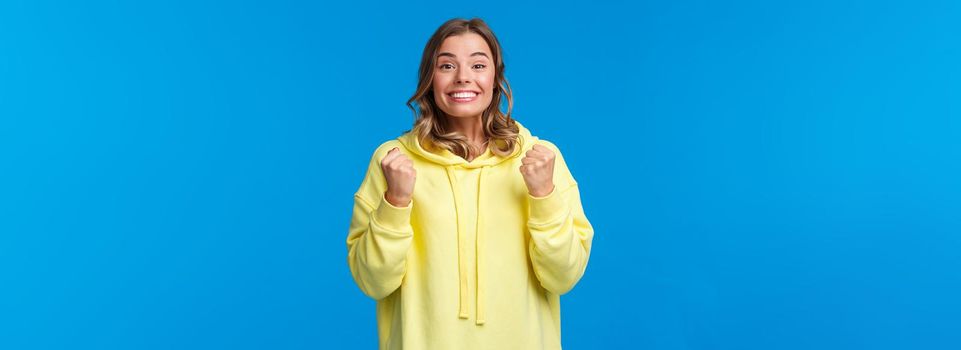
(179, 175)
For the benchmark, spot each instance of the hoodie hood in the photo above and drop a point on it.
(452, 162)
(448, 158)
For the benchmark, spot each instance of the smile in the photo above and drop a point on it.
(463, 96)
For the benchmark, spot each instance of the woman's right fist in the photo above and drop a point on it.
(400, 174)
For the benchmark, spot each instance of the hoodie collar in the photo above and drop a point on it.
(451, 163)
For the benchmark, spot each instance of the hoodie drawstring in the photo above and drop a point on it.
(479, 249)
(462, 248)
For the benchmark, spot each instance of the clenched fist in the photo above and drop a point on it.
(400, 174)
(538, 170)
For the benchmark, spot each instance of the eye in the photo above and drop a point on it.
(480, 66)
(446, 66)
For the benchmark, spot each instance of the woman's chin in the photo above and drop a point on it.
(463, 114)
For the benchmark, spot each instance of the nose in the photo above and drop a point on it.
(463, 76)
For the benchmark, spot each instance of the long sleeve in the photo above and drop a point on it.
(379, 237)
(561, 235)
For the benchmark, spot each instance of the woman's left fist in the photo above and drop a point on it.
(537, 167)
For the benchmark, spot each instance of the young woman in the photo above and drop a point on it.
(466, 228)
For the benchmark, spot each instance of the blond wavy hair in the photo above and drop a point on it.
(431, 125)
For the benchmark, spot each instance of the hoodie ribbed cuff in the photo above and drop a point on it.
(392, 217)
(548, 208)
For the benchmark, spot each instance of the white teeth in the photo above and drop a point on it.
(463, 94)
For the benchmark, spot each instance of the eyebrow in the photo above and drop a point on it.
(478, 53)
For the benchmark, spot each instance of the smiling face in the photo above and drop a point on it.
(463, 80)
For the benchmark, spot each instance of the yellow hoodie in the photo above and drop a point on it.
(473, 261)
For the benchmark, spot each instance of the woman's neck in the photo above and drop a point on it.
(472, 128)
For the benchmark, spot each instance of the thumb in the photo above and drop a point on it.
(390, 155)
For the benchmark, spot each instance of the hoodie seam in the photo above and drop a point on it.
(362, 199)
